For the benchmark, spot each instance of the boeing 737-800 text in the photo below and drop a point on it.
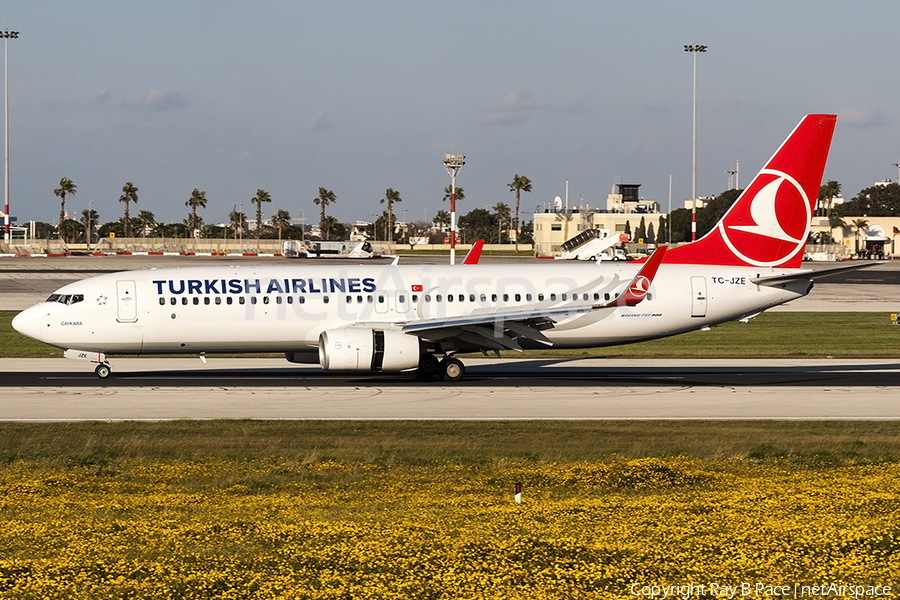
(404, 317)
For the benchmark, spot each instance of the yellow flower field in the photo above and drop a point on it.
(220, 528)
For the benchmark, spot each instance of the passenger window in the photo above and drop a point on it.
(564, 297)
(584, 296)
(301, 299)
(218, 299)
(241, 300)
(349, 299)
(380, 299)
(162, 301)
(195, 300)
(359, 299)
(415, 298)
(483, 298)
(506, 297)
(552, 297)
(206, 300)
(290, 299)
(518, 297)
(326, 299)
(229, 300)
(369, 299)
(471, 297)
(265, 299)
(437, 298)
(184, 301)
(427, 298)
(252, 299)
(401, 299)
(493, 297)
(462, 298)
(540, 297)
(173, 301)
(278, 300)
(449, 297)
(596, 296)
(606, 296)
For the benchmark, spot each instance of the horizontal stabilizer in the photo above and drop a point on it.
(807, 274)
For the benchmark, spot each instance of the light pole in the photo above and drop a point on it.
(6, 34)
(694, 49)
(90, 223)
(453, 163)
(898, 171)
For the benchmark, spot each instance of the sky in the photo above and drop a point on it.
(361, 96)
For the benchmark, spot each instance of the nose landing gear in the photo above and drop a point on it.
(103, 371)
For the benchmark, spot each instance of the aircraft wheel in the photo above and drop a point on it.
(452, 370)
(429, 366)
(103, 371)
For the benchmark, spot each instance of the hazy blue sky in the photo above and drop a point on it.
(358, 96)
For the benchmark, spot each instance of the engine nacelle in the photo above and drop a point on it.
(364, 349)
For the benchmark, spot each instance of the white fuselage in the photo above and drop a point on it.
(284, 308)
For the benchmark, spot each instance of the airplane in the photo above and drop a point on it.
(397, 318)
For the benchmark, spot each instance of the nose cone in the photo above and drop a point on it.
(28, 322)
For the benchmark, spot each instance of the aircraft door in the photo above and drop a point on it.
(382, 302)
(698, 301)
(126, 301)
(401, 302)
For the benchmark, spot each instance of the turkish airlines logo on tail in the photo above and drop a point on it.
(770, 222)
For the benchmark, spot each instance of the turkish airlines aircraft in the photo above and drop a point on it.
(388, 318)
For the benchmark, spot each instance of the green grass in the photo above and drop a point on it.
(771, 335)
(413, 443)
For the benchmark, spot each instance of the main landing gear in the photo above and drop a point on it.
(450, 369)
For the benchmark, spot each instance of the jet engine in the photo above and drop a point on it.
(364, 349)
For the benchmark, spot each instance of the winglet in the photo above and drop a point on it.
(474, 253)
(640, 285)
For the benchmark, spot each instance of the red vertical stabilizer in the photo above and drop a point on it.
(768, 224)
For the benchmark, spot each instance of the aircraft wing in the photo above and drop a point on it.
(499, 329)
(474, 253)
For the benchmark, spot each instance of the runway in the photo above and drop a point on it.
(177, 388)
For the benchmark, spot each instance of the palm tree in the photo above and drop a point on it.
(441, 219)
(147, 221)
(827, 194)
(65, 187)
(197, 200)
(325, 198)
(501, 210)
(519, 184)
(860, 225)
(260, 197)
(281, 220)
(390, 196)
(129, 194)
(238, 221)
(835, 221)
(448, 192)
(91, 218)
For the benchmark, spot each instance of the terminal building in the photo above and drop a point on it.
(623, 213)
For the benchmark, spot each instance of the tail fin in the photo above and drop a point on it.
(768, 224)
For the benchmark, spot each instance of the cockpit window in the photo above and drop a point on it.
(66, 298)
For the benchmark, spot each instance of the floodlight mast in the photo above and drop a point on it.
(453, 163)
(694, 49)
(6, 35)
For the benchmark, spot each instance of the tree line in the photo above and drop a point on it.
(477, 224)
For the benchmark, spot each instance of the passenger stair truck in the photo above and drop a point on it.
(594, 244)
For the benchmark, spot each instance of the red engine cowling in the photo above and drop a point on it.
(364, 349)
